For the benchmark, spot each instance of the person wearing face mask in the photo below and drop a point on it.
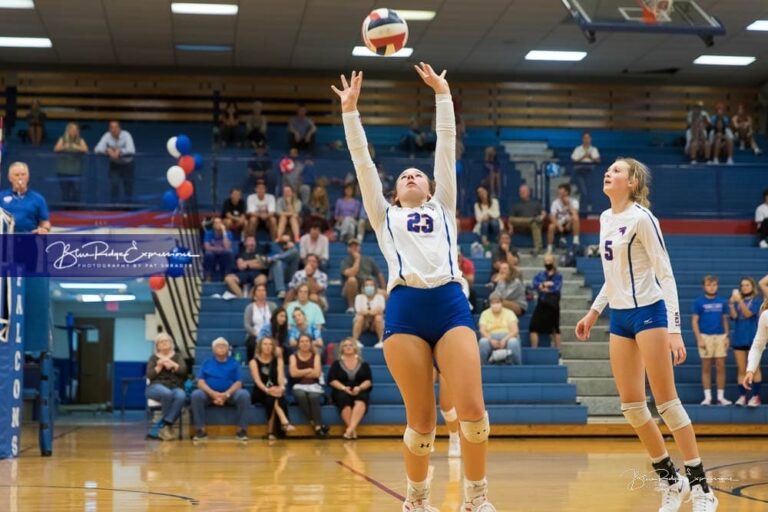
(369, 312)
(546, 315)
(500, 334)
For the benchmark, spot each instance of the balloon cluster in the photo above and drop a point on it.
(178, 260)
(180, 148)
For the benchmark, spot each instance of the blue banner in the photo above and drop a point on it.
(11, 364)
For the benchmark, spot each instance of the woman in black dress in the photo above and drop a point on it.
(350, 378)
(268, 371)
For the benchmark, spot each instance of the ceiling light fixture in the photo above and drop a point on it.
(94, 286)
(554, 55)
(208, 9)
(209, 48)
(25, 42)
(17, 4)
(759, 25)
(362, 51)
(119, 298)
(724, 60)
(409, 15)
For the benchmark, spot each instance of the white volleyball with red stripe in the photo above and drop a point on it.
(384, 31)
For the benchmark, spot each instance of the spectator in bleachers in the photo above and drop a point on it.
(217, 258)
(761, 219)
(467, 267)
(510, 287)
(369, 312)
(710, 326)
(118, 145)
(233, 211)
(504, 253)
(256, 316)
(305, 370)
(288, 213)
(347, 214)
(289, 256)
(219, 384)
(260, 208)
(294, 171)
(493, 168)
(250, 269)
(166, 373)
(528, 217)
(229, 125)
(261, 168)
(313, 313)
(36, 123)
(69, 168)
(758, 346)
(301, 326)
(363, 225)
(277, 329)
(499, 334)
(696, 137)
(315, 279)
(563, 217)
(28, 207)
(744, 307)
(256, 125)
(487, 216)
(721, 135)
(319, 207)
(301, 130)
(356, 267)
(584, 158)
(415, 139)
(546, 316)
(268, 372)
(744, 130)
(315, 243)
(351, 381)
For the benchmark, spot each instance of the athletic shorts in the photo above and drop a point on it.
(427, 312)
(628, 322)
(714, 346)
(248, 276)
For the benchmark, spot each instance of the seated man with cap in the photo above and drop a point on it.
(219, 384)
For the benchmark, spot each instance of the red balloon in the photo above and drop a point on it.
(185, 190)
(157, 282)
(187, 163)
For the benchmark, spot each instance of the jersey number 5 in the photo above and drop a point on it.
(415, 223)
(608, 250)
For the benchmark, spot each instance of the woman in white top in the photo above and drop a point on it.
(644, 328)
(487, 214)
(427, 315)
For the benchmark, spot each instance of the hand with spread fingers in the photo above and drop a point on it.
(350, 91)
(438, 83)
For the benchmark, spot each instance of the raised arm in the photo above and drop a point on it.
(367, 174)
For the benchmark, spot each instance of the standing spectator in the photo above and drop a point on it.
(268, 372)
(546, 315)
(696, 139)
(252, 268)
(277, 329)
(369, 313)
(302, 327)
(487, 223)
(305, 370)
(315, 279)
(36, 123)
(261, 168)
(166, 373)
(744, 306)
(118, 145)
(347, 213)
(29, 208)
(499, 334)
(584, 158)
(256, 125)
(742, 125)
(355, 269)
(721, 135)
(315, 243)
(710, 326)
(217, 260)
(761, 219)
(301, 130)
(260, 208)
(69, 169)
(229, 125)
(233, 211)
(310, 309)
(319, 208)
(510, 287)
(218, 384)
(504, 253)
(564, 217)
(288, 212)
(528, 217)
(256, 316)
(493, 168)
(351, 381)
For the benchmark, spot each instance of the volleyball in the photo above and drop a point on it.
(384, 32)
(287, 165)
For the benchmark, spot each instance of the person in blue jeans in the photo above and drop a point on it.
(710, 326)
(744, 306)
(219, 384)
(166, 372)
(217, 257)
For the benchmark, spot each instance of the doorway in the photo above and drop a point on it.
(95, 346)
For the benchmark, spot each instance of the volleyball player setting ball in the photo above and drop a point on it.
(644, 328)
(427, 314)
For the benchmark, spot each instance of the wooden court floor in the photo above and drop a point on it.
(112, 468)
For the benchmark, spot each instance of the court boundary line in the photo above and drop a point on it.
(373, 481)
(190, 500)
(736, 491)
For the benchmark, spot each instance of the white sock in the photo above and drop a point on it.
(659, 459)
(549, 247)
(475, 488)
(692, 462)
(708, 394)
(417, 490)
(721, 394)
(453, 435)
(576, 239)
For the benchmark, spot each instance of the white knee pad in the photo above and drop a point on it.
(674, 415)
(419, 444)
(449, 415)
(476, 431)
(637, 413)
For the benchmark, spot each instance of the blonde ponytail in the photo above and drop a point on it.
(641, 175)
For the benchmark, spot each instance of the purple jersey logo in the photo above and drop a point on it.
(622, 230)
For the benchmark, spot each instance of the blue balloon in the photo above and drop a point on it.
(175, 271)
(170, 200)
(180, 255)
(183, 144)
(198, 161)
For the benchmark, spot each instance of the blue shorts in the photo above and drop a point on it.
(427, 312)
(628, 322)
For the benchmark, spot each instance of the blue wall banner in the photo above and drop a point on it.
(11, 364)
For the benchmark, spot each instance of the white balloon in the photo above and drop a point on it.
(176, 176)
(171, 145)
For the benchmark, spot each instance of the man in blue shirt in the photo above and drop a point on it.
(710, 324)
(118, 145)
(217, 245)
(219, 384)
(29, 209)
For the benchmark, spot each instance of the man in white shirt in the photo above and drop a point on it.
(369, 312)
(118, 145)
(260, 208)
(761, 219)
(584, 159)
(315, 243)
(563, 217)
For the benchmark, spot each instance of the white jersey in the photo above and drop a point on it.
(418, 243)
(758, 345)
(636, 264)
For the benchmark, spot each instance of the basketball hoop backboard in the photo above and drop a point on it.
(683, 17)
